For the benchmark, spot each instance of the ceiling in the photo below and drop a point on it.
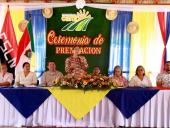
(93, 1)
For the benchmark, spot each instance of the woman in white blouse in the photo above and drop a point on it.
(140, 79)
(26, 77)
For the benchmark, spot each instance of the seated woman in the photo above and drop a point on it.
(26, 77)
(140, 79)
(96, 71)
(76, 65)
(118, 77)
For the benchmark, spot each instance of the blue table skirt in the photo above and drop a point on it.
(128, 100)
(25, 100)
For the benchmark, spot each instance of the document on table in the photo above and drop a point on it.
(30, 86)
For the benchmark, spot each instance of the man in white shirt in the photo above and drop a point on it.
(26, 77)
(163, 78)
(51, 75)
(6, 78)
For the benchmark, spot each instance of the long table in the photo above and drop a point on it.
(154, 113)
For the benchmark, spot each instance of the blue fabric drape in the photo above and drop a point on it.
(120, 43)
(167, 37)
(25, 100)
(129, 100)
(39, 32)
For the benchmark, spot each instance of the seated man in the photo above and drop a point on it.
(51, 75)
(26, 77)
(163, 78)
(6, 78)
(96, 71)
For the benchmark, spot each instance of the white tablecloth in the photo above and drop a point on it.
(155, 113)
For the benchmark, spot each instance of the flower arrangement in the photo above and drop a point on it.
(86, 82)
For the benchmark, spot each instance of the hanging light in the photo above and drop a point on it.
(80, 4)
